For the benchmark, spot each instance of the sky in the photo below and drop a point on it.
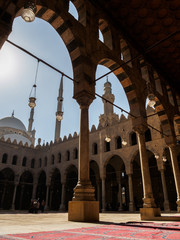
(17, 76)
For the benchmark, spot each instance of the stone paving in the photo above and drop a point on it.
(23, 222)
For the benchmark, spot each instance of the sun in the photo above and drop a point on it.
(8, 64)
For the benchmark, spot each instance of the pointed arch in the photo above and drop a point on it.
(106, 32)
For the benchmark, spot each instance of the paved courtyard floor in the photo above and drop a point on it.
(23, 222)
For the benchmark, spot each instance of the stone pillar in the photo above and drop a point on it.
(176, 173)
(103, 194)
(83, 206)
(131, 195)
(149, 209)
(166, 200)
(34, 191)
(47, 197)
(120, 197)
(14, 197)
(62, 206)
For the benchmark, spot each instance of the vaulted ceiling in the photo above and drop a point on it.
(152, 25)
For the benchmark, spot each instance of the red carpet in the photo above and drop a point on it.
(128, 231)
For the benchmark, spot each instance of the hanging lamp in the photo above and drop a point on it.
(151, 96)
(28, 13)
(32, 96)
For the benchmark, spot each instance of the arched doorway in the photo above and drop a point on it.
(55, 190)
(71, 182)
(116, 185)
(6, 188)
(24, 191)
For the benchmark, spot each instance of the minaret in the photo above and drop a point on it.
(108, 108)
(59, 113)
(32, 104)
(109, 116)
(31, 120)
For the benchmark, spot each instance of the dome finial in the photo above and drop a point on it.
(13, 113)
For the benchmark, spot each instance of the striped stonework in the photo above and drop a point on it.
(106, 32)
(81, 9)
(128, 86)
(163, 117)
(125, 52)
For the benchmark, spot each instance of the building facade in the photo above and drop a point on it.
(50, 172)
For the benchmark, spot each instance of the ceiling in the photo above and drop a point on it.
(145, 23)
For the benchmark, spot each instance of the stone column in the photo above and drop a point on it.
(149, 209)
(62, 206)
(176, 173)
(103, 194)
(34, 191)
(120, 197)
(87, 209)
(166, 200)
(14, 197)
(47, 197)
(131, 195)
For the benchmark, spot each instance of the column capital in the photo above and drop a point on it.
(84, 99)
(140, 129)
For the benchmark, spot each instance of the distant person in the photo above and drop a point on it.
(42, 205)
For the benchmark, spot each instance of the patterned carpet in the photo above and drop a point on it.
(128, 231)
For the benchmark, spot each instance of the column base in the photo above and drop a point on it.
(166, 206)
(83, 211)
(149, 213)
(131, 207)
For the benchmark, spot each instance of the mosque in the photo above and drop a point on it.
(125, 164)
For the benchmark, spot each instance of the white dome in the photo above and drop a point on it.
(18, 138)
(12, 122)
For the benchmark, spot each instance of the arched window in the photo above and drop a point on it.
(52, 159)
(133, 139)
(59, 157)
(95, 148)
(68, 155)
(107, 146)
(4, 158)
(40, 163)
(45, 161)
(14, 160)
(32, 163)
(148, 135)
(75, 153)
(24, 161)
(118, 143)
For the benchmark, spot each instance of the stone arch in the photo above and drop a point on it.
(165, 120)
(71, 173)
(24, 191)
(125, 76)
(116, 179)
(81, 9)
(7, 176)
(52, 12)
(109, 157)
(106, 32)
(126, 54)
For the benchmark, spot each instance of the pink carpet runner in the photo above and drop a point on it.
(128, 231)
